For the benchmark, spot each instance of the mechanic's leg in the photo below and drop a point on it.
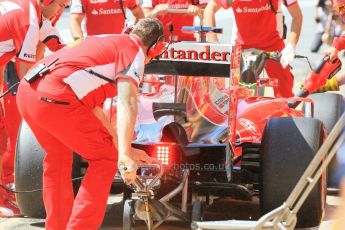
(90, 203)
(79, 129)
(97, 147)
(284, 76)
(3, 140)
(3, 135)
(317, 42)
(58, 193)
(12, 123)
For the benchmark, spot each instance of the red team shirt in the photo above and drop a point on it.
(113, 56)
(103, 16)
(177, 20)
(21, 27)
(19, 30)
(339, 43)
(256, 22)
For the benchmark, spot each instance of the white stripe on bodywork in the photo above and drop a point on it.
(83, 82)
(6, 7)
(28, 50)
(6, 47)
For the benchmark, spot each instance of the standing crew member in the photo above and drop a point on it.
(337, 46)
(22, 23)
(257, 28)
(338, 43)
(102, 16)
(158, 8)
(63, 110)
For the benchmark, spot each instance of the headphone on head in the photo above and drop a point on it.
(156, 48)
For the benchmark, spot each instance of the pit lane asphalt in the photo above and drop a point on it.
(237, 209)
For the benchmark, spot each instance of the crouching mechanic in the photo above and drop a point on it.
(63, 109)
(257, 28)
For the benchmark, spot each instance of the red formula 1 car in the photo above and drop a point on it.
(214, 134)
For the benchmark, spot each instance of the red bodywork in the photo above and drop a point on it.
(207, 99)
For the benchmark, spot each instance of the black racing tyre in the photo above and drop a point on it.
(328, 108)
(288, 146)
(28, 173)
(128, 215)
(197, 213)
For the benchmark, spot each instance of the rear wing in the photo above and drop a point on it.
(204, 60)
(193, 59)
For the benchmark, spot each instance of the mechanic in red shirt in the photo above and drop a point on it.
(338, 43)
(337, 46)
(63, 109)
(102, 16)
(158, 8)
(257, 28)
(21, 28)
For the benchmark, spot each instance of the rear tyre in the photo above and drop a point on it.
(288, 146)
(328, 107)
(28, 173)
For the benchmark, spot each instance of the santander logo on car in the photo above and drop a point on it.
(198, 52)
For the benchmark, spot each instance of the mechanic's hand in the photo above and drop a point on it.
(128, 164)
(160, 9)
(332, 52)
(140, 156)
(193, 10)
(128, 169)
(288, 54)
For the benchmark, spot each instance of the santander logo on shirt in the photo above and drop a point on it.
(253, 9)
(106, 11)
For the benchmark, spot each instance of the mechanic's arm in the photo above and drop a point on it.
(75, 25)
(210, 19)
(158, 10)
(296, 24)
(22, 67)
(288, 53)
(98, 112)
(127, 109)
(337, 46)
(137, 13)
(41, 47)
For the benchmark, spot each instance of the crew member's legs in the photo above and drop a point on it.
(77, 128)
(12, 121)
(284, 76)
(3, 135)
